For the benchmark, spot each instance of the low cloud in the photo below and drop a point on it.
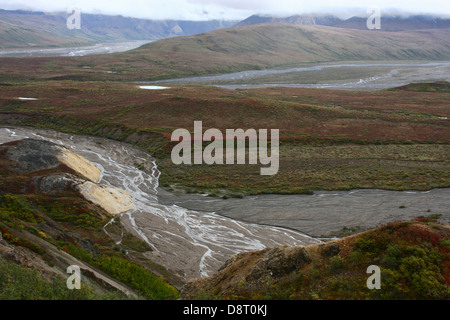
(226, 9)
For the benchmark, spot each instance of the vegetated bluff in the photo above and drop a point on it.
(414, 258)
(48, 221)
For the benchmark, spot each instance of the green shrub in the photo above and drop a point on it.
(12, 206)
(142, 280)
(337, 263)
(149, 285)
(72, 210)
(20, 283)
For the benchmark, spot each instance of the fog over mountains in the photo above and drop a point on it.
(38, 29)
(25, 29)
(389, 22)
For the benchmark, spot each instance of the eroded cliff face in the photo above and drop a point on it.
(41, 158)
(112, 199)
(79, 164)
(54, 213)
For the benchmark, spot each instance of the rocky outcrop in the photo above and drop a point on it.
(279, 261)
(113, 200)
(251, 270)
(57, 183)
(34, 155)
(79, 164)
(30, 155)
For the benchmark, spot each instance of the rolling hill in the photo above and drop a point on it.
(267, 45)
(237, 49)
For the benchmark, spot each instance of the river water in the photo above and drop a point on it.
(378, 76)
(193, 243)
(100, 48)
(194, 235)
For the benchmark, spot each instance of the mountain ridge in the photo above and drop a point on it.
(40, 29)
(391, 23)
(237, 49)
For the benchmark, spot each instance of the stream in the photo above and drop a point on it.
(194, 235)
(382, 76)
(99, 48)
(193, 243)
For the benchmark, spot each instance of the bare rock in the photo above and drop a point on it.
(111, 199)
(33, 155)
(57, 183)
(280, 261)
(79, 164)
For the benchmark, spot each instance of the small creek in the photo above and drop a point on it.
(383, 75)
(195, 243)
(194, 234)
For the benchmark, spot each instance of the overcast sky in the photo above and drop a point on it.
(226, 9)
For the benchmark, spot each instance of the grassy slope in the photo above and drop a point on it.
(332, 140)
(303, 116)
(414, 259)
(277, 44)
(22, 283)
(237, 49)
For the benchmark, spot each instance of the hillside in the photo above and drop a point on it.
(17, 36)
(24, 29)
(48, 222)
(236, 49)
(312, 43)
(330, 139)
(271, 45)
(327, 20)
(413, 258)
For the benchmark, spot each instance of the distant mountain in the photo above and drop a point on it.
(388, 23)
(296, 19)
(273, 44)
(398, 23)
(237, 49)
(21, 29)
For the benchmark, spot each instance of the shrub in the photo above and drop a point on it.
(337, 263)
(149, 285)
(12, 206)
(20, 283)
